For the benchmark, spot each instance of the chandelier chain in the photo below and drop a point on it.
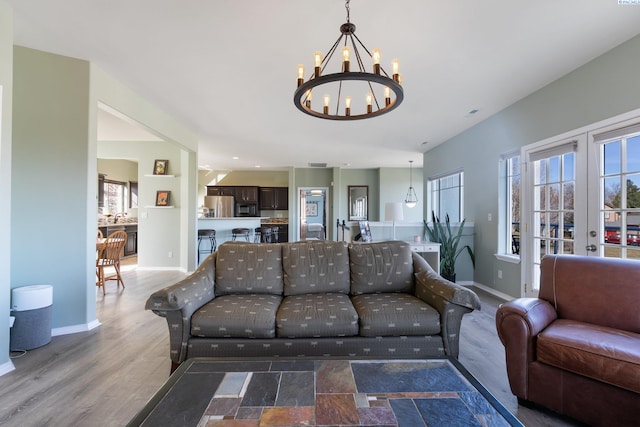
(346, 6)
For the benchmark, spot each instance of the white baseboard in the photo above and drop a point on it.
(497, 294)
(161, 269)
(6, 367)
(75, 328)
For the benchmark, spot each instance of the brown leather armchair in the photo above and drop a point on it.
(576, 348)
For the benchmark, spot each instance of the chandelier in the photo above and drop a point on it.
(411, 199)
(366, 94)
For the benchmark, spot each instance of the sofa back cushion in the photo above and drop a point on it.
(600, 291)
(249, 268)
(315, 266)
(381, 267)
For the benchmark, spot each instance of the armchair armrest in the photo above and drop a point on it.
(452, 302)
(518, 323)
(178, 302)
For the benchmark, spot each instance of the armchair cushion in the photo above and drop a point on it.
(317, 315)
(598, 352)
(395, 314)
(237, 316)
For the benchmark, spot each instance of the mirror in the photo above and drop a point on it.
(358, 202)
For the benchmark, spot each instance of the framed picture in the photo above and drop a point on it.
(160, 167)
(162, 198)
(365, 231)
(311, 209)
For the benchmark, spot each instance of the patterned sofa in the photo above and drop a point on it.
(315, 298)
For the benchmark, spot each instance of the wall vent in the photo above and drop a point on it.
(317, 165)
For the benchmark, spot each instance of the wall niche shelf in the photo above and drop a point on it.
(159, 207)
(159, 176)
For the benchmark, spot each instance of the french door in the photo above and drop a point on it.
(581, 196)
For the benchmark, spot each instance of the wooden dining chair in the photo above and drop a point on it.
(109, 256)
(99, 234)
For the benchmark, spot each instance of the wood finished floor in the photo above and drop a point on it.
(105, 376)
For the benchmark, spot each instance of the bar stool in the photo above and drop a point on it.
(209, 234)
(266, 235)
(257, 235)
(240, 232)
(275, 234)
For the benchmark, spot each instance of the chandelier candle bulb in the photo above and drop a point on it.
(300, 74)
(376, 56)
(327, 98)
(387, 96)
(307, 101)
(346, 59)
(317, 60)
(347, 104)
(369, 102)
(395, 66)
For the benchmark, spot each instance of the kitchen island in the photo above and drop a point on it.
(223, 227)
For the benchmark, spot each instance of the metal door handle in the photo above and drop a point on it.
(591, 248)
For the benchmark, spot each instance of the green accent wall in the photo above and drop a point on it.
(603, 88)
(6, 101)
(49, 188)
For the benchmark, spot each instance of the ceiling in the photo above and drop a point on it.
(227, 68)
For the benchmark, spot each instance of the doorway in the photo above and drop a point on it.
(582, 196)
(313, 213)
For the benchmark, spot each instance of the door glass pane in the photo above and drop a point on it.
(612, 158)
(633, 154)
(633, 191)
(620, 190)
(554, 202)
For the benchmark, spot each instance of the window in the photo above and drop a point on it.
(113, 197)
(510, 206)
(446, 196)
(133, 194)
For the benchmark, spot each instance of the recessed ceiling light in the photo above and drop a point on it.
(258, 166)
(235, 157)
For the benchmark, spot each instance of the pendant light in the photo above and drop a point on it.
(411, 200)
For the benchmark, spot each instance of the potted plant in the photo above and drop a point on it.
(449, 252)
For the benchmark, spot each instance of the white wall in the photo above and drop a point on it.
(159, 230)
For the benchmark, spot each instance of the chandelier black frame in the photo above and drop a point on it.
(374, 107)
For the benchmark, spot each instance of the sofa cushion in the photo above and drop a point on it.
(237, 316)
(315, 267)
(605, 354)
(381, 267)
(316, 315)
(395, 314)
(247, 268)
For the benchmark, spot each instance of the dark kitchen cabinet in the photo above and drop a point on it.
(246, 194)
(131, 248)
(274, 198)
(221, 191)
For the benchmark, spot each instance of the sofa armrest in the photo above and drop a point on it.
(518, 323)
(452, 302)
(178, 302)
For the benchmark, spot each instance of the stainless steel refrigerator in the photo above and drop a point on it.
(219, 206)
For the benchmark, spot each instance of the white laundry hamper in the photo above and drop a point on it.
(32, 308)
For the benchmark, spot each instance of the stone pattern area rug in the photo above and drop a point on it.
(433, 392)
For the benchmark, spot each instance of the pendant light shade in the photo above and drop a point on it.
(411, 199)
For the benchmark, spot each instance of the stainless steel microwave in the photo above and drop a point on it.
(246, 209)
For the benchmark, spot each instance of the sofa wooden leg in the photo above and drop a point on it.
(174, 366)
